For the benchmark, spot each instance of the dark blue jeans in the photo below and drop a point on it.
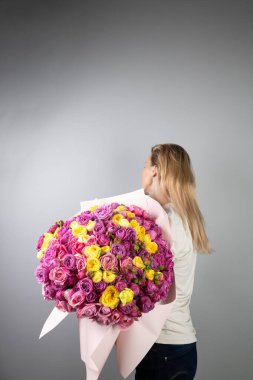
(168, 362)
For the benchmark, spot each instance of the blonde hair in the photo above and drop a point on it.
(177, 181)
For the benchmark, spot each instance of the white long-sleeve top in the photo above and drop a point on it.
(178, 327)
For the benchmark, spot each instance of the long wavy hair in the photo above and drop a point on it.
(177, 181)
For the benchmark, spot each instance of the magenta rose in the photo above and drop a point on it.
(40, 242)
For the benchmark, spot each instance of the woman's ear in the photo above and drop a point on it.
(154, 170)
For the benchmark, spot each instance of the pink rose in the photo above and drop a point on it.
(109, 261)
(126, 263)
(77, 298)
(91, 240)
(58, 275)
(63, 306)
(126, 321)
(116, 316)
(81, 262)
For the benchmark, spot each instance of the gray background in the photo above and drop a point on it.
(87, 88)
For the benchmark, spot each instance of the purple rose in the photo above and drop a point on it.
(48, 292)
(91, 297)
(112, 228)
(100, 286)
(104, 310)
(102, 239)
(42, 274)
(87, 311)
(121, 233)
(135, 288)
(145, 304)
(151, 287)
(120, 285)
(103, 320)
(99, 227)
(103, 212)
(69, 262)
(127, 308)
(85, 285)
(118, 249)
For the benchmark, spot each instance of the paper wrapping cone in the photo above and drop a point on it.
(132, 344)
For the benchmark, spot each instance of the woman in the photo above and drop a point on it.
(168, 178)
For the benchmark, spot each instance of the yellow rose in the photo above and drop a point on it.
(116, 218)
(130, 214)
(150, 273)
(47, 238)
(93, 264)
(93, 208)
(92, 251)
(126, 295)
(105, 248)
(151, 247)
(120, 208)
(124, 222)
(137, 261)
(134, 223)
(147, 239)
(90, 225)
(109, 276)
(97, 275)
(110, 297)
(55, 234)
(40, 254)
(79, 231)
(140, 236)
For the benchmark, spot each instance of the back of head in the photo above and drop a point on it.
(177, 181)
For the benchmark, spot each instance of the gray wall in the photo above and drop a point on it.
(87, 88)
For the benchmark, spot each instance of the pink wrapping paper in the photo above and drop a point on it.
(132, 344)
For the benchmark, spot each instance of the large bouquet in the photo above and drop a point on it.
(110, 264)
